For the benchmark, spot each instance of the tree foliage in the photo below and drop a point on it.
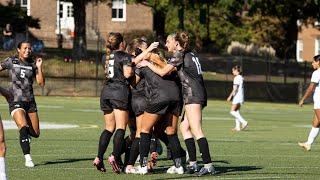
(17, 17)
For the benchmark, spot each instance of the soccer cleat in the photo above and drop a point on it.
(175, 170)
(130, 170)
(305, 146)
(142, 170)
(205, 171)
(235, 130)
(244, 127)
(29, 163)
(99, 164)
(112, 161)
(191, 169)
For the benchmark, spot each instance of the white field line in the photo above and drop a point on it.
(10, 124)
(86, 110)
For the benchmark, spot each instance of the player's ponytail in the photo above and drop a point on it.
(183, 39)
(114, 40)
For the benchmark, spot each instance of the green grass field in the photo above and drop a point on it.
(267, 150)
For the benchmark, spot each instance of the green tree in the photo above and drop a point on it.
(17, 17)
(283, 15)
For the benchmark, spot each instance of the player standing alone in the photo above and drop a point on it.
(237, 97)
(23, 108)
(313, 87)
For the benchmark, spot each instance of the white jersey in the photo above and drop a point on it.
(238, 97)
(315, 78)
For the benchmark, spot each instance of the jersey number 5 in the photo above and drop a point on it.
(111, 69)
(23, 73)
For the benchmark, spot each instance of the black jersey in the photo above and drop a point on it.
(190, 74)
(22, 74)
(159, 89)
(116, 86)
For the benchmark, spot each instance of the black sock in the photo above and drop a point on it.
(204, 150)
(118, 141)
(153, 144)
(103, 143)
(32, 133)
(24, 140)
(174, 145)
(134, 153)
(191, 147)
(163, 137)
(145, 139)
(127, 151)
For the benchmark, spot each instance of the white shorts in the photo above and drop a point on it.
(316, 105)
(237, 100)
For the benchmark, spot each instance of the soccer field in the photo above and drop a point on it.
(267, 150)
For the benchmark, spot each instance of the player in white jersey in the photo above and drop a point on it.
(314, 88)
(237, 98)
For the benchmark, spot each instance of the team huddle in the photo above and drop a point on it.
(148, 93)
(142, 91)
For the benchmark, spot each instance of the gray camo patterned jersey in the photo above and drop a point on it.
(22, 75)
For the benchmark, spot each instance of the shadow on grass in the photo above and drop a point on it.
(63, 161)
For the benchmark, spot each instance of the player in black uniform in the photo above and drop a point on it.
(22, 70)
(162, 99)
(114, 101)
(194, 95)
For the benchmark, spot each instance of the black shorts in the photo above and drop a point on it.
(194, 100)
(169, 107)
(111, 104)
(138, 104)
(28, 107)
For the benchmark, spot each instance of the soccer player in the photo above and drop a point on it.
(315, 89)
(114, 101)
(163, 101)
(23, 108)
(237, 99)
(186, 63)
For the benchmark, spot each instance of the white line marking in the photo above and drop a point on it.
(86, 110)
(10, 124)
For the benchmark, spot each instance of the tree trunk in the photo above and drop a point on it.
(159, 18)
(80, 41)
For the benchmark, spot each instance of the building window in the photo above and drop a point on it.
(299, 50)
(118, 10)
(69, 11)
(317, 46)
(24, 4)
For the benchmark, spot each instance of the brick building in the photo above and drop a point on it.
(56, 17)
(308, 43)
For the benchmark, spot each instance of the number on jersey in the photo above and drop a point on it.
(111, 69)
(23, 73)
(195, 59)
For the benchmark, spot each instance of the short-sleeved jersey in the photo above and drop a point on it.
(190, 74)
(117, 86)
(238, 80)
(22, 74)
(159, 89)
(315, 78)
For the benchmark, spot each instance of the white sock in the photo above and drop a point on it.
(237, 124)
(312, 135)
(208, 165)
(28, 157)
(237, 115)
(3, 175)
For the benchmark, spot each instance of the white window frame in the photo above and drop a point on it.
(26, 6)
(317, 46)
(119, 4)
(299, 50)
